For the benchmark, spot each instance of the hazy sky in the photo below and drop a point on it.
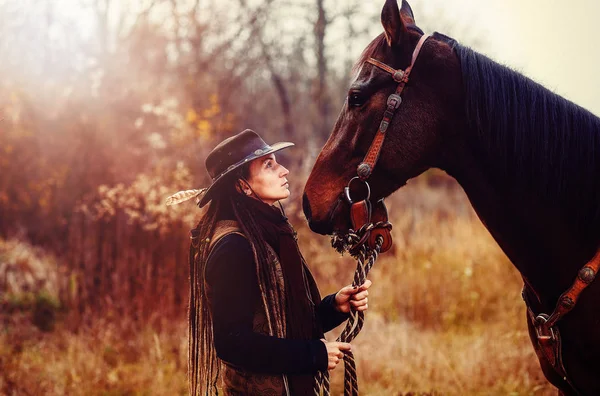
(553, 42)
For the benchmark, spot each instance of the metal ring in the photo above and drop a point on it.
(347, 189)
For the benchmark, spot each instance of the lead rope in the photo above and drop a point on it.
(355, 243)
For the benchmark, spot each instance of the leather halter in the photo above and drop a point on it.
(365, 169)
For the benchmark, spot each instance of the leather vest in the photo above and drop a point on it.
(237, 380)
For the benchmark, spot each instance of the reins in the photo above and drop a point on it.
(370, 233)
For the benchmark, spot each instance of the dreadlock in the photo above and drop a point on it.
(203, 364)
(201, 353)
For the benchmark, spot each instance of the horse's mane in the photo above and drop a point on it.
(531, 137)
(368, 52)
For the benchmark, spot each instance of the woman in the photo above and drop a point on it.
(254, 304)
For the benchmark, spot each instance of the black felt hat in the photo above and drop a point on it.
(232, 153)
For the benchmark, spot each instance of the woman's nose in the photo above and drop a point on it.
(284, 171)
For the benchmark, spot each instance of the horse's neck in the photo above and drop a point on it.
(540, 241)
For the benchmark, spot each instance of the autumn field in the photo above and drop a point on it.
(108, 107)
(445, 318)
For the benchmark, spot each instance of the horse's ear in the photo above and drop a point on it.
(407, 13)
(393, 25)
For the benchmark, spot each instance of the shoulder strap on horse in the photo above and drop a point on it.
(548, 335)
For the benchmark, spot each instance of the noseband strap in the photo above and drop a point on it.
(365, 169)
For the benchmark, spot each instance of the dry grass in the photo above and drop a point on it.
(445, 318)
(106, 359)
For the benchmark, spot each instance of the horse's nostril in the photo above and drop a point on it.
(306, 206)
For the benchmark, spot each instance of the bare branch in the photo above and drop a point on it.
(142, 16)
(276, 78)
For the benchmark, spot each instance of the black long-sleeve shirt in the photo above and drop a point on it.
(234, 293)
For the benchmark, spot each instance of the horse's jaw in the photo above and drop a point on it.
(336, 220)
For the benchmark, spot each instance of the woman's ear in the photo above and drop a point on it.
(243, 187)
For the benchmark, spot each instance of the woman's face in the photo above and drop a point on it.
(267, 180)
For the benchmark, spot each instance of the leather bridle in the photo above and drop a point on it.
(361, 211)
(365, 169)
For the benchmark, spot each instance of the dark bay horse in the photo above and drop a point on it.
(528, 160)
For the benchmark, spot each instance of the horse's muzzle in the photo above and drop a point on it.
(331, 222)
(320, 227)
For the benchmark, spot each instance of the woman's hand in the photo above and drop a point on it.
(353, 298)
(335, 352)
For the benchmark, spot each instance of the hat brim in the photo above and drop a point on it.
(208, 195)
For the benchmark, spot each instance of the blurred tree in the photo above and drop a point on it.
(104, 105)
(322, 123)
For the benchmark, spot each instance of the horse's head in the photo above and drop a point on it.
(414, 140)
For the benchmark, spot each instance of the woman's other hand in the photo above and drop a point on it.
(353, 298)
(335, 352)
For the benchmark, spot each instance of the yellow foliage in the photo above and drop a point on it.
(214, 108)
(228, 123)
(203, 129)
(44, 201)
(191, 116)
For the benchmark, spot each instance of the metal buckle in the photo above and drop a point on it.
(540, 321)
(383, 126)
(394, 101)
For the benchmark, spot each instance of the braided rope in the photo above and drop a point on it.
(353, 242)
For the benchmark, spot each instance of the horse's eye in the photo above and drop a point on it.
(355, 99)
